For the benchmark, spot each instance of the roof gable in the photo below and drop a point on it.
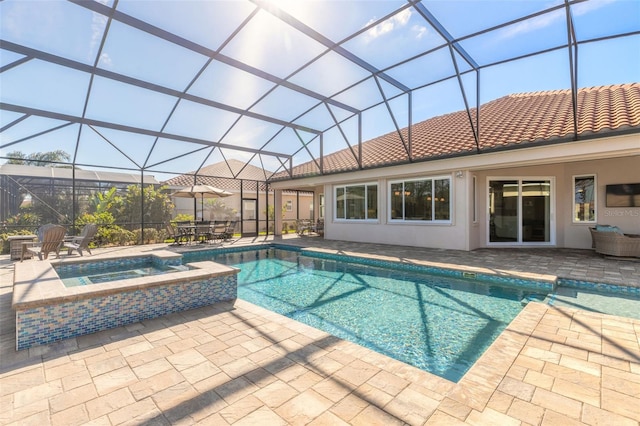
(225, 175)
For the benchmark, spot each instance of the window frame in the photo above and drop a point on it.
(365, 201)
(574, 205)
(432, 220)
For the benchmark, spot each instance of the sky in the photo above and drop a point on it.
(238, 32)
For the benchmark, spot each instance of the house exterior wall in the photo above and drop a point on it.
(570, 234)
(452, 236)
(615, 171)
(612, 160)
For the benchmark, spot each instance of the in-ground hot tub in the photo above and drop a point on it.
(48, 311)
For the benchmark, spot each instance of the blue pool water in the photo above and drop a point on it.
(88, 276)
(441, 325)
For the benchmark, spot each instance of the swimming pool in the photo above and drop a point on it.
(439, 324)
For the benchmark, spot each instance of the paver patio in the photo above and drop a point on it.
(240, 364)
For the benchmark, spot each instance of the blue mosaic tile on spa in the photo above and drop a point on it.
(115, 312)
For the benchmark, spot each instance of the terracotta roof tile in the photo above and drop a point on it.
(516, 120)
(221, 175)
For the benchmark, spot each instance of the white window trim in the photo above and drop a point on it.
(595, 198)
(421, 222)
(345, 186)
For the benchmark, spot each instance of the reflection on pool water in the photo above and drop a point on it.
(88, 276)
(439, 324)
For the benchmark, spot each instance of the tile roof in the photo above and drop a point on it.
(223, 175)
(512, 121)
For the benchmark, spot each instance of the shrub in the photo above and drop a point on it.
(114, 235)
(150, 236)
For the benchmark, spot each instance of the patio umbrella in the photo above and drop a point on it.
(202, 192)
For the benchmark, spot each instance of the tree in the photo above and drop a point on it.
(271, 217)
(46, 206)
(157, 206)
(39, 158)
(100, 202)
(219, 210)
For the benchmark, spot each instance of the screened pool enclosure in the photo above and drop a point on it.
(138, 93)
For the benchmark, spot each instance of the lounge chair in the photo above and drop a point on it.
(616, 244)
(81, 242)
(50, 238)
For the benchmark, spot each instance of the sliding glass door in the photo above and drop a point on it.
(520, 211)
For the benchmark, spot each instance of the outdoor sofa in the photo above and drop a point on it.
(610, 241)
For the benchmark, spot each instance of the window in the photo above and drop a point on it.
(584, 200)
(359, 202)
(421, 199)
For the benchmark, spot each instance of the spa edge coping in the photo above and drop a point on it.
(36, 283)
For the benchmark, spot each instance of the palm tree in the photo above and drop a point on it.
(39, 158)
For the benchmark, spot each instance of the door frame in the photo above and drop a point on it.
(552, 212)
(243, 220)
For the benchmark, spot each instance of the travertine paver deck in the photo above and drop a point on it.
(240, 364)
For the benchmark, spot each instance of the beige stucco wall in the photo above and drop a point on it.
(612, 160)
(621, 170)
(568, 233)
(452, 236)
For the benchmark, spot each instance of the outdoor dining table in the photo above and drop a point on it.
(186, 230)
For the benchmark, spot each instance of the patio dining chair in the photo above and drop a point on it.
(173, 234)
(318, 228)
(302, 226)
(230, 229)
(50, 239)
(203, 231)
(218, 230)
(81, 242)
(176, 234)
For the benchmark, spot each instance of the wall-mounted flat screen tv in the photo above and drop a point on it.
(623, 195)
